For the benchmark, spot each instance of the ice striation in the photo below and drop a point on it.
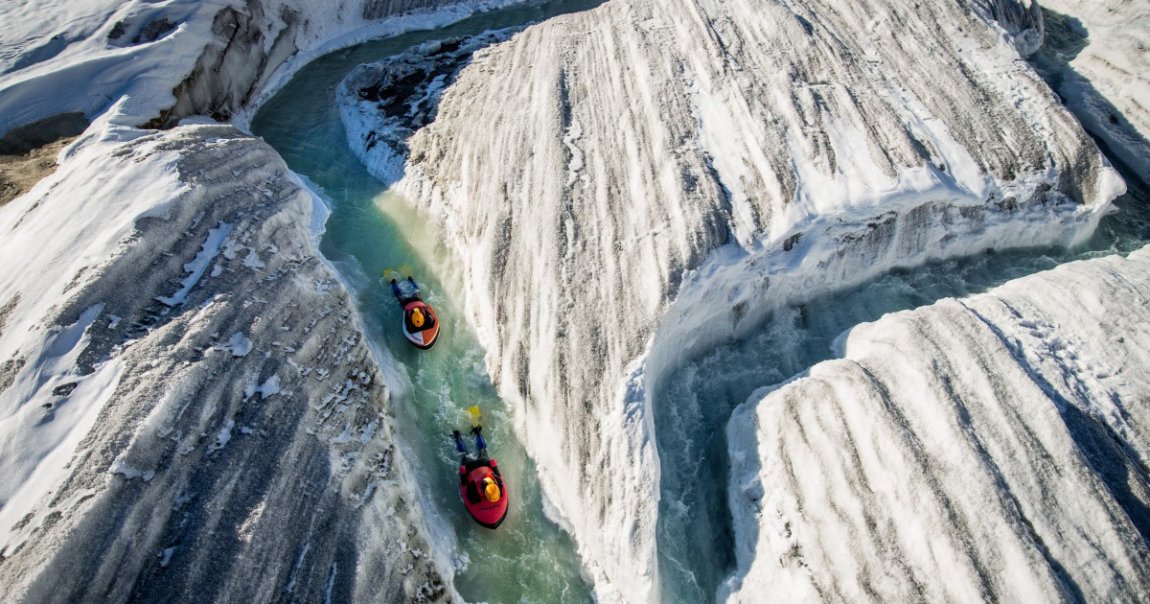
(174, 422)
(630, 185)
(988, 448)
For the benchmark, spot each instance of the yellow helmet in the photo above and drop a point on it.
(490, 489)
(417, 317)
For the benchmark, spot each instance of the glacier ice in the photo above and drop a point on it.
(129, 445)
(627, 186)
(1096, 58)
(623, 188)
(992, 447)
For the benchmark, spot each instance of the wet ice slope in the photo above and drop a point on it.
(188, 408)
(589, 172)
(992, 447)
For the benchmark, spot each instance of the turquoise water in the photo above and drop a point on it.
(528, 559)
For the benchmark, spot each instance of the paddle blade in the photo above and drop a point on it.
(474, 413)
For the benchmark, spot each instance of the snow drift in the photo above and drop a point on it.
(991, 448)
(629, 185)
(188, 408)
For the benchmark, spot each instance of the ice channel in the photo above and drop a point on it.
(529, 558)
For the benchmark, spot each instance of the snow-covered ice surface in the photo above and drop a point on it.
(187, 404)
(1097, 59)
(626, 187)
(1011, 426)
(190, 446)
(992, 447)
(529, 558)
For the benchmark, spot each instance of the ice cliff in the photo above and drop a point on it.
(990, 448)
(629, 185)
(176, 59)
(188, 408)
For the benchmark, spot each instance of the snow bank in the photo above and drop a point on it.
(992, 448)
(188, 446)
(629, 185)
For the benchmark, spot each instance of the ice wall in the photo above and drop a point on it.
(991, 448)
(175, 59)
(628, 185)
(188, 408)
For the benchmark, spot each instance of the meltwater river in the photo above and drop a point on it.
(529, 559)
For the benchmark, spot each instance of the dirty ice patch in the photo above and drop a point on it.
(199, 264)
(238, 345)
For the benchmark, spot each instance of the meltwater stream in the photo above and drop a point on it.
(528, 559)
(692, 409)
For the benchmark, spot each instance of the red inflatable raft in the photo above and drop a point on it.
(420, 325)
(483, 492)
